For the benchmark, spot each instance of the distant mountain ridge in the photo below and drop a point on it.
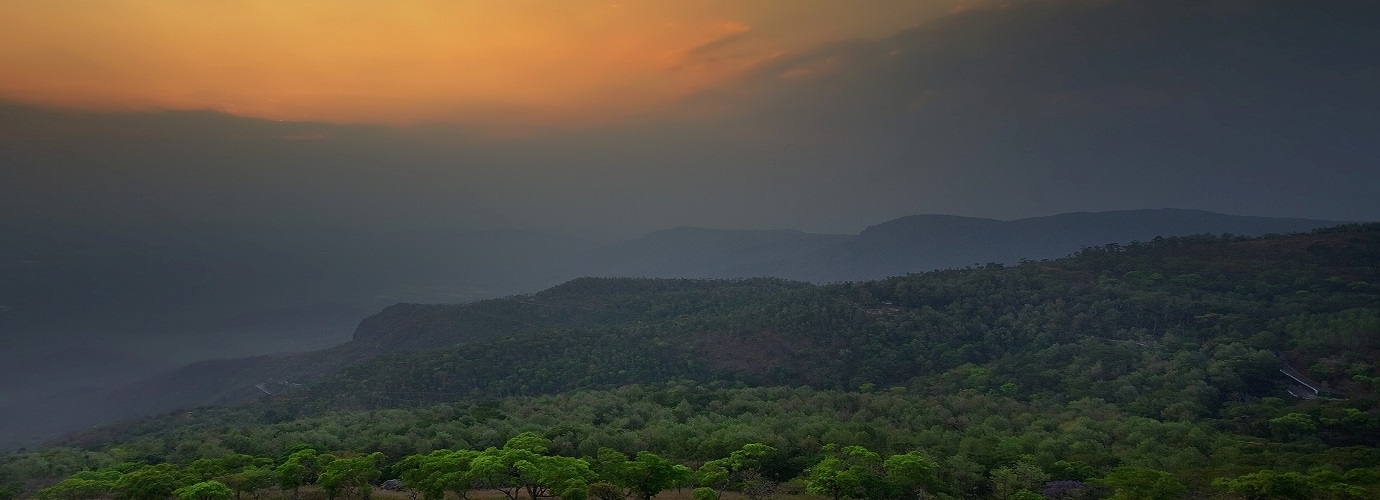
(694, 252)
(911, 244)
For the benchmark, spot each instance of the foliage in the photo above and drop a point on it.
(350, 478)
(913, 474)
(205, 490)
(1142, 483)
(644, 477)
(1317, 483)
(741, 469)
(439, 472)
(83, 485)
(1146, 371)
(848, 472)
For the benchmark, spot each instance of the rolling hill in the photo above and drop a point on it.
(1180, 356)
(899, 247)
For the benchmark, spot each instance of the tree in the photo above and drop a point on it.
(712, 475)
(438, 472)
(1268, 484)
(529, 442)
(611, 466)
(604, 490)
(81, 486)
(496, 469)
(351, 478)
(1293, 426)
(1005, 483)
(913, 474)
(205, 490)
(151, 482)
(1023, 476)
(736, 469)
(210, 468)
(522, 466)
(1141, 483)
(301, 468)
(843, 473)
(755, 486)
(651, 474)
(544, 476)
(249, 479)
(1071, 470)
(965, 475)
(830, 477)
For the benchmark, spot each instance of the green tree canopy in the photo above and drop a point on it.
(205, 490)
(151, 482)
(844, 472)
(1142, 483)
(351, 478)
(913, 474)
(438, 472)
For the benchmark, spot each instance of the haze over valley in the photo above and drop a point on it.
(109, 312)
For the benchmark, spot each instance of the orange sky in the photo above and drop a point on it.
(523, 61)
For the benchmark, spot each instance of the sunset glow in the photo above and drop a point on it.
(531, 61)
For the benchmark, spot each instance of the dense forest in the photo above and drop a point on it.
(1209, 366)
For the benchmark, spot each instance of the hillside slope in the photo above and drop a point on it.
(907, 245)
(1166, 358)
(1133, 324)
(926, 242)
(1208, 291)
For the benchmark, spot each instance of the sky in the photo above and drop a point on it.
(618, 118)
(372, 61)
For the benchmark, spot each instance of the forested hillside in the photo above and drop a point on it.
(1153, 368)
(75, 391)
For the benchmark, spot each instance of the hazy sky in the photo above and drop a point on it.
(620, 117)
(376, 61)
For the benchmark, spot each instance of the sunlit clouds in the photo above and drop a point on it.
(561, 62)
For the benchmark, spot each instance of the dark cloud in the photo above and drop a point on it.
(1056, 106)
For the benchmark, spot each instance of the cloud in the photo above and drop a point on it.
(1053, 106)
(735, 34)
(372, 61)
